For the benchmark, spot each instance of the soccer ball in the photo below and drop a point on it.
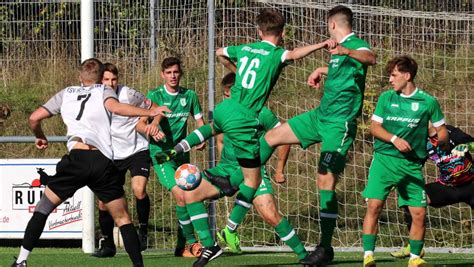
(187, 176)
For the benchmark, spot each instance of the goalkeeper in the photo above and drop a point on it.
(455, 183)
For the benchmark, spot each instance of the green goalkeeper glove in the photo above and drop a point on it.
(460, 150)
(165, 156)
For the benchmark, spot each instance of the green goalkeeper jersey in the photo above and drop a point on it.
(267, 119)
(407, 117)
(345, 84)
(183, 103)
(258, 67)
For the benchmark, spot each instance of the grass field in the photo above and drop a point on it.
(74, 257)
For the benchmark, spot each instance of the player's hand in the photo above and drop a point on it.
(402, 145)
(159, 136)
(279, 177)
(151, 129)
(159, 111)
(41, 143)
(165, 156)
(339, 50)
(330, 43)
(460, 150)
(201, 146)
(314, 79)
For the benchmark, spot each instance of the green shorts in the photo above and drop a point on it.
(227, 169)
(165, 171)
(240, 125)
(387, 172)
(336, 138)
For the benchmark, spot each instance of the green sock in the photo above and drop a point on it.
(243, 202)
(266, 150)
(185, 223)
(328, 215)
(199, 218)
(368, 242)
(286, 233)
(199, 135)
(416, 246)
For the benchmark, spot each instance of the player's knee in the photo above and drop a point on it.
(418, 216)
(273, 218)
(45, 206)
(180, 197)
(374, 208)
(139, 192)
(102, 206)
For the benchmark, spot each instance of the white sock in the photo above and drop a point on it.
(24, 253)
(368, 252)
(413, 256)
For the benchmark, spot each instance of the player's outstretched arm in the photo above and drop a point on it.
(225, 60)
(443, 137)
(114, 106)
(35, 125)
(377, 130)
(302, 52)
(365, 57)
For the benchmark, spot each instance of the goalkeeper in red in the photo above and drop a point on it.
(400, 127)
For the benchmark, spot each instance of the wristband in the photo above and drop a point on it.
(393, 138)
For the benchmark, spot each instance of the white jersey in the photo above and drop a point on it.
(82, 110)
(126, 141)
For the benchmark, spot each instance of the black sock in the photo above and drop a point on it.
(131, 243)
(143, 211)
(106, 223)
(34, 229)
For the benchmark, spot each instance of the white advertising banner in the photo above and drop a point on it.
(20, 190)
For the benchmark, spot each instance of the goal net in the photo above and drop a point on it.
(40, 47)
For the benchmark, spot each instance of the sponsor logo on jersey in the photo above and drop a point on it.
(415, 106)
(334, 62)
(182, 101)
(395, 105)
(412, 123)
(177, 115)
(255, 51)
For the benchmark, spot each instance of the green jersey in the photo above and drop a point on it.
(267, 119)
(258, 67)
(345, 84)
(407, 117)
(183, 103)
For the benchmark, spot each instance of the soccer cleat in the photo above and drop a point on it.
(106, 249)
(208, 254)
(418, 262)
(143, 240)
(21, 264)
(319, 257)
(44, 177)
(231, 240)
(165, 156)
(223, 182)
(369, 261)
(405, 253)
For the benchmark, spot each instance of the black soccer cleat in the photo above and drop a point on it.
(223, 182)
(143, 240)
(44, 177)
(21, 264)
(106, 249)
(319, 257)
(208, 254)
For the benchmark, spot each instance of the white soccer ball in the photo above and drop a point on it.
(187, 176)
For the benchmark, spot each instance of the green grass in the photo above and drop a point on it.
(75, 257)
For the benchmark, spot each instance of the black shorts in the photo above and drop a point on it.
(86, 168)
(442, 195)
(138, 164)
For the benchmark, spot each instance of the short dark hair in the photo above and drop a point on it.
(92, 70)
(403, 64)
(271, 22)
(229, 79)
(111, 68)
(169, 62)
(341, 10)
